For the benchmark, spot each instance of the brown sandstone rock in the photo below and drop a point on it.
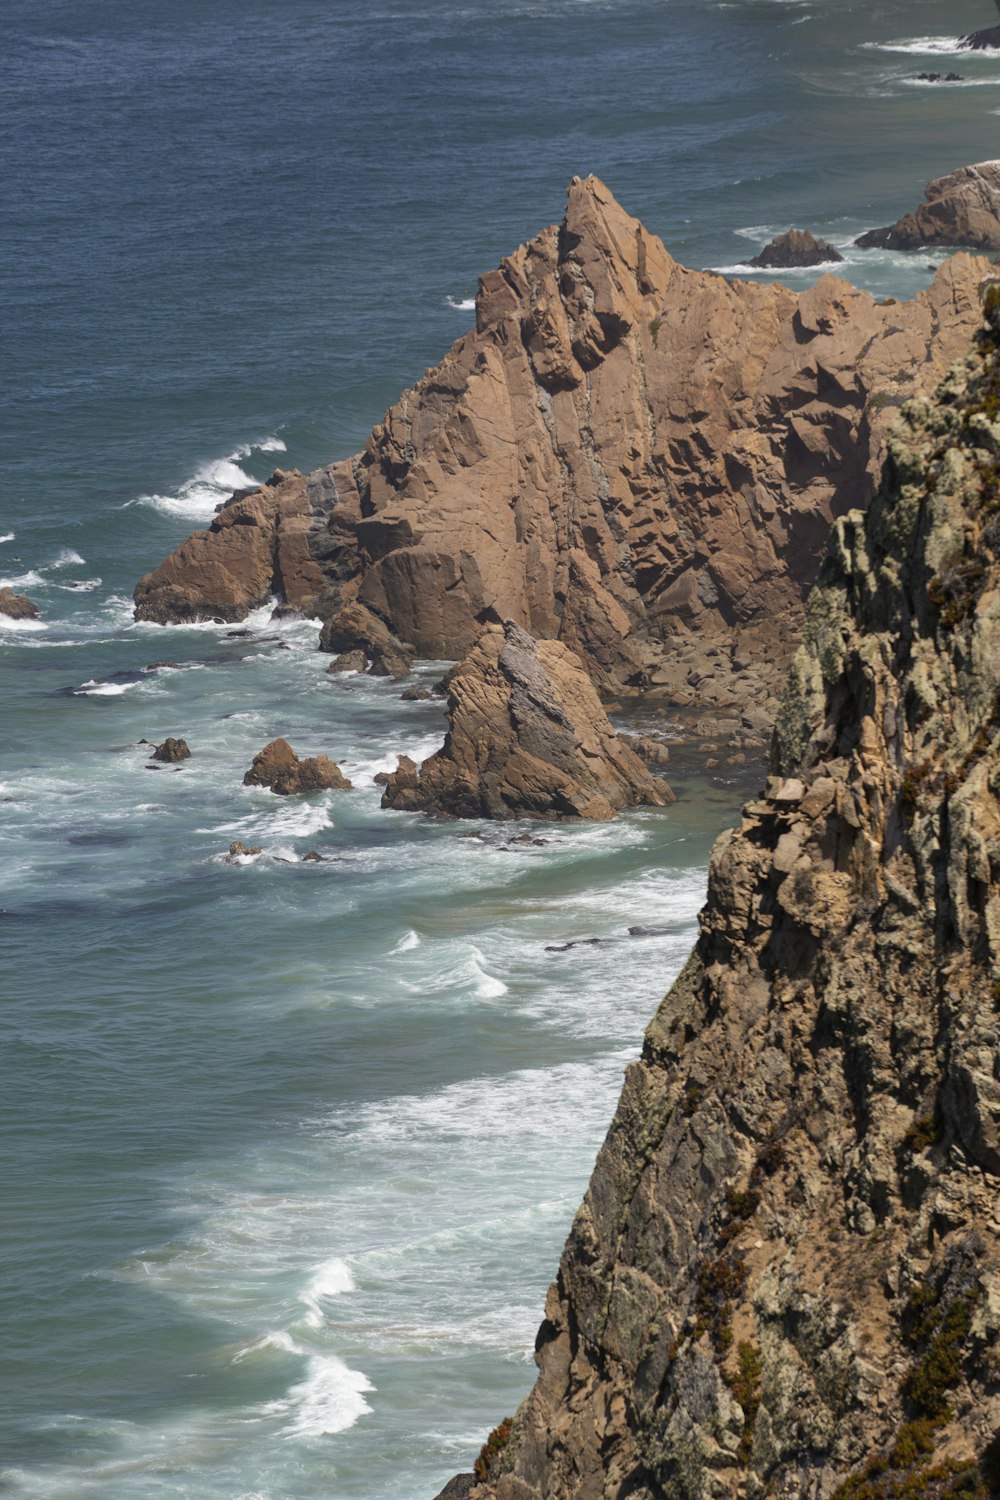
(172, 751)
(278, 767)
(353, 630)
(348, 661)
(632, 457)
(527, 739)
(961, 209)
(797, 247)
(17, 606)
(786, 1270)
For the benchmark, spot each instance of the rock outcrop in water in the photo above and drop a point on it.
(527, 738)
(961, 209)
(796, 248)
(639, 460)
(785, 1276)
(277, 766)
(983, 41)
(17, 606)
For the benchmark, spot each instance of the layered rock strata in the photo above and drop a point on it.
(527, 738)
(961, 209)
(785, 1277)
(277, 766)
(639, 460)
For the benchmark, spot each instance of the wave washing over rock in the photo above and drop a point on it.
(624, 455)
(784, 1277)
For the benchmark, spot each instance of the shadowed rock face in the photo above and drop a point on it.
(623, 454)
(786, 1270)
(527, 738)
(985, 40)
(962, 209)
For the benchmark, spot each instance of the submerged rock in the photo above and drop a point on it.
(795, 248)
(238, 850)
(785, 1276)
(961, 209)
(527, 738)
(17, 606)
(277, 766)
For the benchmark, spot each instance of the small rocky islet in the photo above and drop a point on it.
(785, 1277)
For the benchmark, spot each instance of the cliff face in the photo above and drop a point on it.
(624, 455)
(784, 1277)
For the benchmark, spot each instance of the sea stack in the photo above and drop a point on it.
(527, 738)
(797, 248)
(785, 1276)
(983, 41)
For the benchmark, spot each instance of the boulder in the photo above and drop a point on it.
(172, 751)
(238, 850)
(796, 248)
(17, 606)
(278, 767)
(652, 751)
(348, 661)
(527, 738)
(961, 209)
(983, 41)
(355, 632)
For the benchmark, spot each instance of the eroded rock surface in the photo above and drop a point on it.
(961, 209)
(527, 738)
(171, 750)
(624, 455)
(278, 767)
(17, 606)
(797, 247)
(784, 1275)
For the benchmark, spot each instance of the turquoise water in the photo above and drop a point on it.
(291, 1148)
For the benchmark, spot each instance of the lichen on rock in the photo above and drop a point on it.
(785, 1276)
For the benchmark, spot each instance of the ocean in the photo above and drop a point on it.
(291, 1147)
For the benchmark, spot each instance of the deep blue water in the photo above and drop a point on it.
(290, 1150)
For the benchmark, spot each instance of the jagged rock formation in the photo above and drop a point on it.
(785, 1276)
(171, 751)
(624, 455)
(17, 606)
(527, 738)
(361, 641)
(277, 766)
(961, 209)
(797, 247)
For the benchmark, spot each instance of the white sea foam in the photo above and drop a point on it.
(464, 304)
(407, 942)
(8, 536)
(332, 1279)
(921, 46)
(24, 627)
(212, 483)
(330, 1399)
(67, 558)
(94, 689)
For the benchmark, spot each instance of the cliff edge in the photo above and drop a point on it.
(784, 1277)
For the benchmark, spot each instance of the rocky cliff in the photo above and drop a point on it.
(784, 1277)
(962, 208)
(639, 460)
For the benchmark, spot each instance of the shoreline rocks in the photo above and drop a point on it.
(961, 209)
(277, 766)
(797, 248)
(637, 459)
(171, 751)
(527, 738)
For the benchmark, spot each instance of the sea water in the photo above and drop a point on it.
(291, 1147)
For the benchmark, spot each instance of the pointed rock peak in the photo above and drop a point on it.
(596, 221)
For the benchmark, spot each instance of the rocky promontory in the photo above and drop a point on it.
(639, 460)
(959, 210)
(527, 738)
(785, 1277)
